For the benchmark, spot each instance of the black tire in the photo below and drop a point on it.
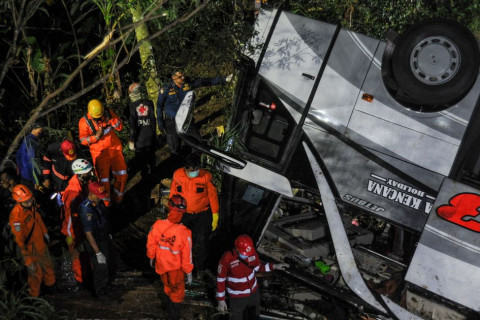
(434, 64)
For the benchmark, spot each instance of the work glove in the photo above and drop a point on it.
(152, 263)
(281, 266)
(229, 78)
(189, 279)
(101, 259)
(47, 237)
(222, 306)
(57, 196)
(214, 221)
(69, 240)
(131, 145)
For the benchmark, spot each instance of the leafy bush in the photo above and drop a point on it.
(18, 305)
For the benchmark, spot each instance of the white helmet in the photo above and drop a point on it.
(80, 166)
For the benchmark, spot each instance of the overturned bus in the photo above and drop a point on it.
(359, 164)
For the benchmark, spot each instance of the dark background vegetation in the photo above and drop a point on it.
(59, 33)
(43, 42)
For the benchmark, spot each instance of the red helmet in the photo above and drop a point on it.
(244, 245)
(177, 202)
(68, 150)
(21, 193)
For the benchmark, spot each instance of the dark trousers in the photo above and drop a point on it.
(247, 308)
(102, 273)
(144, 160)
(201, 225)
(173, 139)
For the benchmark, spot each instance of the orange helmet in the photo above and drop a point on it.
(244, 245)
(21, 193)
(95, 108)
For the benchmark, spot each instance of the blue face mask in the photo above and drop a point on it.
(242, 256)
(193, 174)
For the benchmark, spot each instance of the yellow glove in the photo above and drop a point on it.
(69, 240)
(214, 221)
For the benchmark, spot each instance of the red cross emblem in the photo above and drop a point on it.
(142, 110)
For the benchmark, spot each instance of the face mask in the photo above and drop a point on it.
(193, 174)
(242, 256)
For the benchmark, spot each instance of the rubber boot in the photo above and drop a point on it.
(174, 310)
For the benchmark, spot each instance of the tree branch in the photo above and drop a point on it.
(39, 110)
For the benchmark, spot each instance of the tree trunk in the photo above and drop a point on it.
(43, 108)
(146, 53)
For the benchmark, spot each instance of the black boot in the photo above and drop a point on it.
(174, 310)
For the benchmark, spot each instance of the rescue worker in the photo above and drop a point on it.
(97, 130)
(169, 247)
(92, 213)
(29, 158)
(8, 180)
(169, 100)
(30, 235)
(57, 164)
(75, 193)
(10, 254)
(236, 276)
(142, 130)
(195, 185)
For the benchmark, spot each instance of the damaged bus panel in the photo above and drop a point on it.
(379, 143)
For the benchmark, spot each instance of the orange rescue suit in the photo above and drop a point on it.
(170, 244)
(72, 226)
(199, 191)
(28, 230)
(106, 151)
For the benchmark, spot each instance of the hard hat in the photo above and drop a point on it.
(21, 193)
(133, 86)
(98, 189)
(68, 150)
(95, 108)
(177, 202)
(80, 166)
(244, 245)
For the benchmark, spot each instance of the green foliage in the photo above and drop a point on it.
(204, 45)
(18, 305)
(374, 17)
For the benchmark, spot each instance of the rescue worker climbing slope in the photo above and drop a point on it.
(236, 275)
(57, 164)
(97, 130)
(195, 185)
(169, 100)
(169, 247)
(30, 235)
(72, 227)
